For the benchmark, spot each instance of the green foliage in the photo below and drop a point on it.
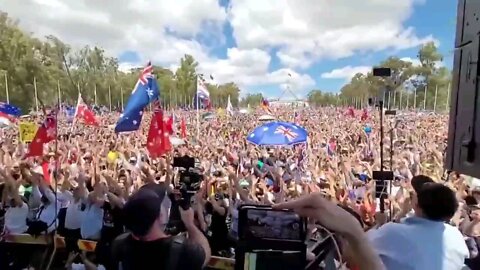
(51, 64)
(407, 84)
(251, 99)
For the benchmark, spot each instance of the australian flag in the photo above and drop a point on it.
(146, 91)
(202, 96)
(10, 109)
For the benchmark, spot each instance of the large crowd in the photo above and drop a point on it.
(93, 172)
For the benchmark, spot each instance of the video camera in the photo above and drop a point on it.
(190, 176)
(189, 184)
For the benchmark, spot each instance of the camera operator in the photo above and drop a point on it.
(147, 246)
(216, 206)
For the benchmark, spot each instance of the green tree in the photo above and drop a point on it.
(252, 100)
(54, 67)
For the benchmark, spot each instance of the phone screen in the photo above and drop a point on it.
(273, 259)
(273, 224)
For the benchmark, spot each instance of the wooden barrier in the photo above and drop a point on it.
(26, 239)
(219, 263)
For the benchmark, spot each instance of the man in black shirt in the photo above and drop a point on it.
(147, 246)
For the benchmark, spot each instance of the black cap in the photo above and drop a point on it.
(418, 181)
(143, 208)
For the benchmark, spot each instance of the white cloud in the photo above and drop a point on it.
(139, 26)
(121, 25)
(346, 72)
(302, 31)
(306, 31)
(127, 66)
(251, 68)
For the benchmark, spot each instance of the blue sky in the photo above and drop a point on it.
(253, 43)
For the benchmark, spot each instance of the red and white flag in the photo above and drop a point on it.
(158, 139)
(183, 129)
(83, 112)
(46, 133)
(169, 125)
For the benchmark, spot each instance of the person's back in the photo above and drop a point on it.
(146, 246)
(423, 241)
(158, 254)
(419, 243)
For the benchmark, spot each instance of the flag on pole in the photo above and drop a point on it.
(83, 112)
(229, 106)
(10, 109)
(266, 106)
(6, 119)
(202, 97)
(146, 91)
(46, 133)
(183, 129)
(158, 138)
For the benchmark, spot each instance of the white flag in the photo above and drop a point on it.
(229, 106)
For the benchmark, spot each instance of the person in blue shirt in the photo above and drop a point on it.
(424, 240)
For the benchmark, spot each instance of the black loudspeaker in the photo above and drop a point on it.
(382, 72)
(463, 151)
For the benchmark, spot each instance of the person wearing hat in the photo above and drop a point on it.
(425, 240)
(147, 246)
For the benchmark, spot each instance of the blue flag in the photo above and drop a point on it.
(10, 109)
(70, 113)
(146, 91)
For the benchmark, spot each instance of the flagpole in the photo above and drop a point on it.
(95, 94)
(6, 88)
(401, 96)
(170, 97)
(110, 97)
(36, 94)
(59, 94)
(198, 112)
(415, 100)
(425, 98)
(121, 96)
(448, 97)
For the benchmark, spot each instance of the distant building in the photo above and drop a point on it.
(288, 103)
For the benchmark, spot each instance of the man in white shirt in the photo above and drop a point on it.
(16, 217)
(424, 241)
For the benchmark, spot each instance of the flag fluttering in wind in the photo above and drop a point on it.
(350, 112)
(83, 112)
(364, 116)
(183, 129)
(158, 139)
(202, 97)
(46, 133)
(146, 91)
(266, 106)
(6, 119)
(169, 124)
(9, 109)
(229, 106)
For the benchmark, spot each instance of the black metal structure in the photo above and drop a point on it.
(463, 136)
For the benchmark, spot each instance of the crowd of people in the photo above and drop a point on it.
(102, 184)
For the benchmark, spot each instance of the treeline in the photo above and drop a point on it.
(425, 85)
(53, 67)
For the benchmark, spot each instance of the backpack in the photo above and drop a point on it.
(120, 250)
